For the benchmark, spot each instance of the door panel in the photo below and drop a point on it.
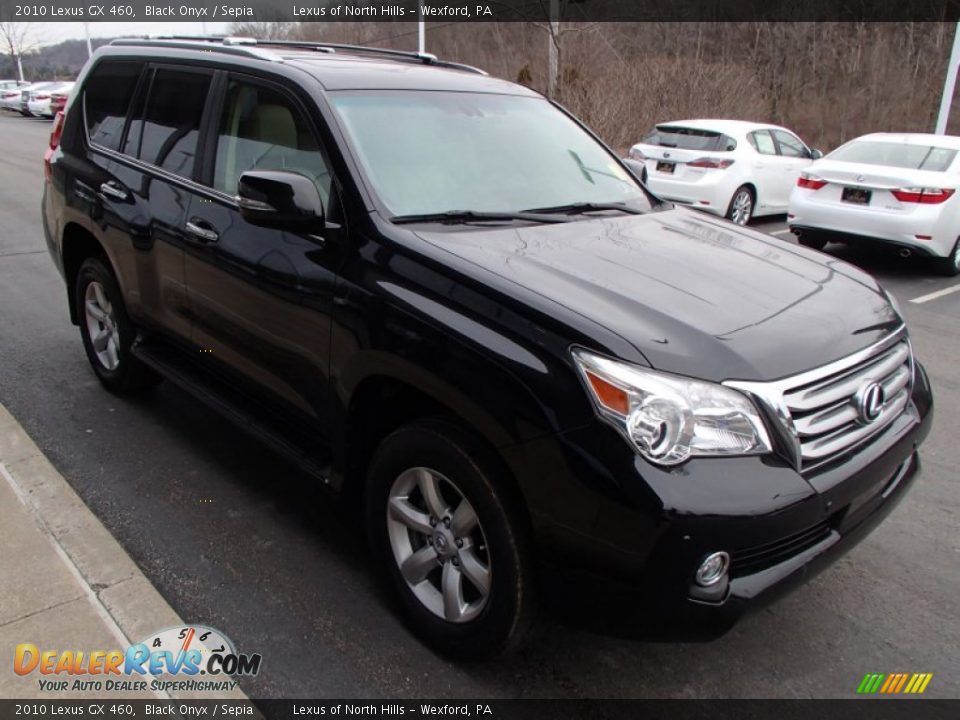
(766, 170)
(261, 298)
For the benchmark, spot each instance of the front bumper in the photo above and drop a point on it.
(619, 557)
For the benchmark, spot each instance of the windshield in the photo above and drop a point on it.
(895, 154)
(436, 152)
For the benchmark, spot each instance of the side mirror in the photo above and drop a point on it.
(816, 154)
(280, 199)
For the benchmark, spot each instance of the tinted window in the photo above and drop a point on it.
(762, 142)
(896, 154)
(261, 129)
(106, 97)
(689, 138)
(790, 145)
(171, 120)
(428, 152)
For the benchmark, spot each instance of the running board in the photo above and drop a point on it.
(213, 391)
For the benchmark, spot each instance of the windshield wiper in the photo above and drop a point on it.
(464, 216)
(585, 207)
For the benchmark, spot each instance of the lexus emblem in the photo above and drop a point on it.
(870, 400)
(859, 178)
(666, 155)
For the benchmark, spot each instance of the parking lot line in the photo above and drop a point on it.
(781, 232)
(935, 295)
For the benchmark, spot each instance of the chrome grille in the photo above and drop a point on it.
(820, 413)
(826, 415)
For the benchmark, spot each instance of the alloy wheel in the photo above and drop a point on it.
(102, 326)
(438, 545)
(742, 207)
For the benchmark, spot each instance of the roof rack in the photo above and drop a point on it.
(252, 47)
(227, 45)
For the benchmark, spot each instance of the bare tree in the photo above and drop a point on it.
(18, 38)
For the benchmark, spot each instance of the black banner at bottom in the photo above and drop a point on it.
(270, 709)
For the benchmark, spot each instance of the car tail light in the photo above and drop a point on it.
(923, 195)
(810, 181)
(55, 134)
(41, 97)
(636, 154)
(706, 162)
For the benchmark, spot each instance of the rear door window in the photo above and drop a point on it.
(762, 142)
(686, 138)
(171, 119)
(106, 98)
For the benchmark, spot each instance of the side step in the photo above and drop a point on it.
(305, 450)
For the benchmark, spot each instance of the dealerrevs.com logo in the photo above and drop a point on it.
(181, 659)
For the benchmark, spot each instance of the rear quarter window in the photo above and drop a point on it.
(106, 98)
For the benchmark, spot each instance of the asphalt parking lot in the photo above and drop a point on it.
(235, 538)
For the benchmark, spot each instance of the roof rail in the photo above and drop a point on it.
(228, 45)
(252, 47)
(425, 58)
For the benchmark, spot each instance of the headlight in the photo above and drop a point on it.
(669, 418)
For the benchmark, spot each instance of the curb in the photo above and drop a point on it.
(117, 591)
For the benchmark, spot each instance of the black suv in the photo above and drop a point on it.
(447, 300)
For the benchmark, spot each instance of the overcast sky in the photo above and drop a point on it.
(51, 33)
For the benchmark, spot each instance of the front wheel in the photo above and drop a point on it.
(452, 542)
(950, 265)
(741, 206)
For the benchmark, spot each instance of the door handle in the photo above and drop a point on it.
(195, 227)
(113, 190)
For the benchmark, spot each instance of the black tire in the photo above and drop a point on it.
(746, 192)
(509, 607)
(950, 265)
(129, 375)
(812, 241)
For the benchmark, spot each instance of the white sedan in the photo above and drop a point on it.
(884, 189)
(731, 168)
(38, 102)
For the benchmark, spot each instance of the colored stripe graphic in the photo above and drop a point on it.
(894, 683)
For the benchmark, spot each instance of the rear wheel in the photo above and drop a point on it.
(950, 265)
(741, 206)
(107, 332)
(452, 544)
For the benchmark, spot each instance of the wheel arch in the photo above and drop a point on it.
(382, 402)
(78, 245)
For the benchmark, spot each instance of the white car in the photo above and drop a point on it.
(10, 96)
(730, 168)
(884, 189)
(38, 102)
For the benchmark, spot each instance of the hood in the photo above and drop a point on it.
(695, 295)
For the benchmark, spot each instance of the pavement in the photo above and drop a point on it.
(67, 583)
(232, 536)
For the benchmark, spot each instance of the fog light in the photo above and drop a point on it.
(712, 569)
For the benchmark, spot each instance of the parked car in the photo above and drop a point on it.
(10, 97)
(892, 189)
(27, 92)
(10, 84)
(39, 101)
(730, 168)
(536, 379)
